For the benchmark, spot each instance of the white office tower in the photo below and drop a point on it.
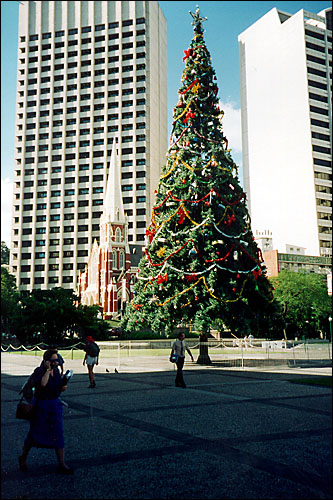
(88, 73)
(286, 74)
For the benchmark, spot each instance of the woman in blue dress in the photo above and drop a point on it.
(46, 427)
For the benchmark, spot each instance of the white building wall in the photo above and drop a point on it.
(276, 131)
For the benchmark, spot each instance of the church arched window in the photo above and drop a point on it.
(121, 260)
(114, 260)
(118, 235)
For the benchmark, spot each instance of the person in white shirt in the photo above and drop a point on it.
(179, 347)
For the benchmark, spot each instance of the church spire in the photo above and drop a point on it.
(113, 209)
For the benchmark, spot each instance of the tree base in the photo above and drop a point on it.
(204, 359)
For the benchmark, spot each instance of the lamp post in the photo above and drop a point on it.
(330, 322)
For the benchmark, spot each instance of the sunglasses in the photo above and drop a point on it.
(54, 360)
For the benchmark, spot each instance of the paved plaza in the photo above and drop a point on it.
(231, 434)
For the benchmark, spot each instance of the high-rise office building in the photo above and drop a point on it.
(286, 108)
(88, 73)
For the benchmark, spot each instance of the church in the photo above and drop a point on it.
(109, 277)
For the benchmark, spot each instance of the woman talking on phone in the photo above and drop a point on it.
(46, 426)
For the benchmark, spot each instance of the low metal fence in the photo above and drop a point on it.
(224, 352)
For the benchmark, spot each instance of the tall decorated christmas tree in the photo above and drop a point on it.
(200, 262)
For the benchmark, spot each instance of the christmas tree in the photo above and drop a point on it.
(200, 262)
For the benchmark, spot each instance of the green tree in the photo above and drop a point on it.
(4, 253)
(54, 317)
(89, 324)
(306, 302)
(201, 261)
(9, 299)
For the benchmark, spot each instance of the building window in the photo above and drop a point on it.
(114, 260)
(319, 123)
(321, 149)
(321, 111)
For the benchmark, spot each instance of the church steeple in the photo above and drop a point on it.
(113, 210)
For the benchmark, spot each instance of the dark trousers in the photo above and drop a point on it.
(179, 376)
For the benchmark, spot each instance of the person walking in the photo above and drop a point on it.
(61, 362)
(46, 426)
(179, 347)
(91, 358)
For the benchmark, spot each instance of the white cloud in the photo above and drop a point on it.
(6, 209)
(232, 126)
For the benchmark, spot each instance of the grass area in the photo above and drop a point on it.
(324, 381)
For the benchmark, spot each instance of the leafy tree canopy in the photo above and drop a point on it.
(47, 316)
(4, 253)
(304, 297)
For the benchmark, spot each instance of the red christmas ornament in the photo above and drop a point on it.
(234, 289)
(189, 115)
(161, 279)
(181, 214)
(150, 234)
(196, 298)
(187, 54)
(191, 277)
(256, 273)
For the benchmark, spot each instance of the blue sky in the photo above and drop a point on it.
(226, 20)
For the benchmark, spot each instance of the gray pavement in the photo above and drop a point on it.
(231, 434)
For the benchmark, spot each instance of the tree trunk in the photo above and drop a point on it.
(203, 358)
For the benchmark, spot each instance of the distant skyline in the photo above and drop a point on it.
(226, 20)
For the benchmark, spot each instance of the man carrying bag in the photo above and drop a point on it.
(178, 352)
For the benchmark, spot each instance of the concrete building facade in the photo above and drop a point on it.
(286, 109)
(89, 74)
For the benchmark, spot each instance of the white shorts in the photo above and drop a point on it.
(91, 360)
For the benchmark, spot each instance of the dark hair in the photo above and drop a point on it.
(49, 353)
(180, 334)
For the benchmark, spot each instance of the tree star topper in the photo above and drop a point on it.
(197, 19)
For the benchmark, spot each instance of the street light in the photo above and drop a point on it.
(330, 321)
